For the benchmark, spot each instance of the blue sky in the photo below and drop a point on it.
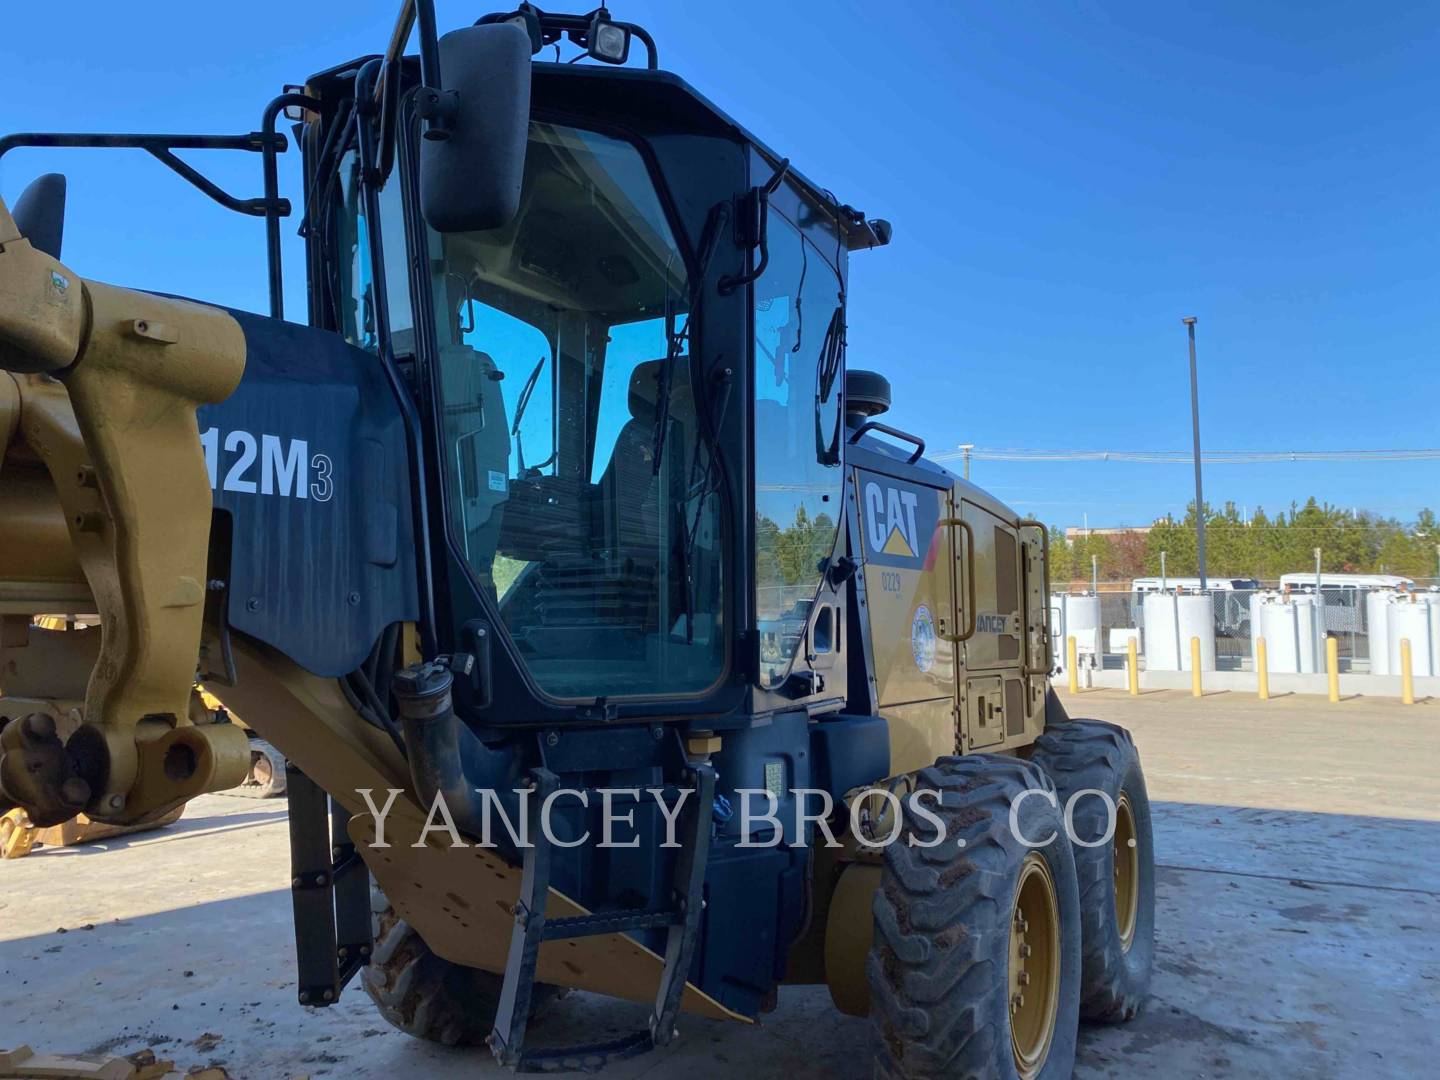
(1066, 180)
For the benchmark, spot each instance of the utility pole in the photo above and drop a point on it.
(1189, 322)
(965, 448)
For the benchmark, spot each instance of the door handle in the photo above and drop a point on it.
(968, 616)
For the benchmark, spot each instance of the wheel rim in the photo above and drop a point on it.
(261, 770)
(1127, 872)
(1034, 965)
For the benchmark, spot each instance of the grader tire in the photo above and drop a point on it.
(975, 966)
(425, 995)
(1117, 879)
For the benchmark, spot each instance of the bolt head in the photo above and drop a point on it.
(40, 726)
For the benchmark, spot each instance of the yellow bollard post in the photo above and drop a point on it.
(1262, 669)
(1072, 667)
(1407, 674)
(1332, 666)
(1196, 690)
(1134, 667)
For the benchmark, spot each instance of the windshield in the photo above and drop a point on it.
(576, 477)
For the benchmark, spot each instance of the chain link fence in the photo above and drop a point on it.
(1342, 615)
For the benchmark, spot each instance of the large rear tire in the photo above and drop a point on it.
(975, 966)
(425, 995)
(1117, 878)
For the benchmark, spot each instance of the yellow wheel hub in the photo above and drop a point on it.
(1034, 965)
(1127, 871)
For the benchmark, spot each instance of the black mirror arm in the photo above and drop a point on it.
(437, 107)
(759, 203)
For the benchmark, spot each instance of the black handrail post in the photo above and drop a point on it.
(271, 167)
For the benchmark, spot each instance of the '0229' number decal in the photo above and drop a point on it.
(268, 465)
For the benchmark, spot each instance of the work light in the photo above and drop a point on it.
(608, 42)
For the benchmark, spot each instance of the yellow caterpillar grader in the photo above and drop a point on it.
(561, 509)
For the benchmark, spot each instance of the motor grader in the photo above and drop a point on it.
(564, 499)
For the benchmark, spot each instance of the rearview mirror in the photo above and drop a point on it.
(471, 180)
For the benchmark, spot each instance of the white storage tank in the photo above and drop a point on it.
(1432, 597)
(1378, 603)
(1257, 598)
(1162, 651)
(1288, 626)
(1171, 620)
(1057, 629)
(1082, 622)
(1419, 622)
(1197, 620)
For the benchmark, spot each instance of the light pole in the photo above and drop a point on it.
(1189, 322)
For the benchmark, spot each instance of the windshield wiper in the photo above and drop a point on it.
(520, 407)
(667, 379)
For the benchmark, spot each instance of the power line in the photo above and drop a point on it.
(1184, 457)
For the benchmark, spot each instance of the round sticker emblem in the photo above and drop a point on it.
(922, 638)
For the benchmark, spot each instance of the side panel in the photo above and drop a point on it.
(997, 639)
(309, 459)
(909, 594)
(1002, 703)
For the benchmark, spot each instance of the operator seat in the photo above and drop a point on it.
(633, 496)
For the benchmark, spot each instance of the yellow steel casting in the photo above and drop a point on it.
(17, 835)
(42, 305)
(118, 436)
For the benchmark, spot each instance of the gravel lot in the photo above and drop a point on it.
(1298, 924)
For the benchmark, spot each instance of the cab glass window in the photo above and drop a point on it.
(798, 361)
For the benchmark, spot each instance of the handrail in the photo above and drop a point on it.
(894, 433)
(971, 620)
(160, 147)
(271, 177)
(1032, 523)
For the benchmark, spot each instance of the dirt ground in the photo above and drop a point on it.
(1298, 926)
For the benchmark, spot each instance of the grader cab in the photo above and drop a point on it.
(615, 641)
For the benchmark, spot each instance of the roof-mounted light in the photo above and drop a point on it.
(607, 41)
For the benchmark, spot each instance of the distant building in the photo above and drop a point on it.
(1079, 532)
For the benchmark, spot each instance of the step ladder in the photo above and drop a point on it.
(681, 916)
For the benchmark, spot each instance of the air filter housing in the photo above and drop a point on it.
(867, 394)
